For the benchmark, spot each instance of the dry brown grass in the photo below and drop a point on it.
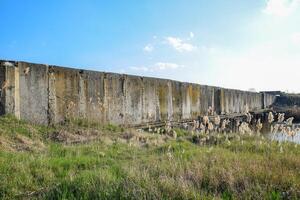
(131, 164)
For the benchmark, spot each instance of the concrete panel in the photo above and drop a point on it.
(114, 87)
(133, 88)
(186, 100)
(52, 100)
(150, 105)
(2, 90)
(9, 90)
(170, 102)
(268, 99)
(217, 100)
(163, 98)
(190, 101)
(31, 92)
(65, 93)
(177, 100)
(207, 94)
(92, 97)
(236, 101)
(254, 101)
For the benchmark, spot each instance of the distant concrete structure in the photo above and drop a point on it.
(47, 94)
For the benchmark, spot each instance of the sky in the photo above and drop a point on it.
(241, 44)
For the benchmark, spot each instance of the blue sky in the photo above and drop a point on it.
(234, 43)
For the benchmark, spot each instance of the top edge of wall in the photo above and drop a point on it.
(126, 75)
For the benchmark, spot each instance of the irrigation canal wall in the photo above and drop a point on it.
(46, 94)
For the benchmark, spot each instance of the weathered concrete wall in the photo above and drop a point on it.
(31, 92)
(236, 101)
(207, 99)
(49, 94)
(2, 90)
(268, 99)
(8, 89)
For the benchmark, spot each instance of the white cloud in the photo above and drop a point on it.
(159, 66)
(192, 35)
(141, 68)
(281, 8)
(148, 48)
(179, 45)
(295, 38)
(209, 49)
(265, 67)
(166, 66)
(122, 71)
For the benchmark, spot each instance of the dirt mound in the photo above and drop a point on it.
(140, 138)
(5, 144)
(21, 143)
(75, 137)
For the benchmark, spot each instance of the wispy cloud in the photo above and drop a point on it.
(148, 48)
(159, 66)
(166, 66)
(140, 68)
(295, 38)
(281, 8)
(179, 44)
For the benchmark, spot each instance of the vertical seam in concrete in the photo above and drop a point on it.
(51, 97)
(263, 100)
(50, 120)
(170, 103)
(17, 92)
(105, 100)
(213, 99)
(142, 99)
(48, 102)
(3, 93)
(82, 97)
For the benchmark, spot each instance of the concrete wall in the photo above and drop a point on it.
(2, 95)
(268, 99)
(235, 101)
(32, 92)
(49, 94)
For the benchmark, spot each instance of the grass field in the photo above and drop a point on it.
(80, 160)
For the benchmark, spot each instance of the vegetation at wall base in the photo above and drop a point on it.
(78, 160)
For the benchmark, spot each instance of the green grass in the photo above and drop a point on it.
(242, 167)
